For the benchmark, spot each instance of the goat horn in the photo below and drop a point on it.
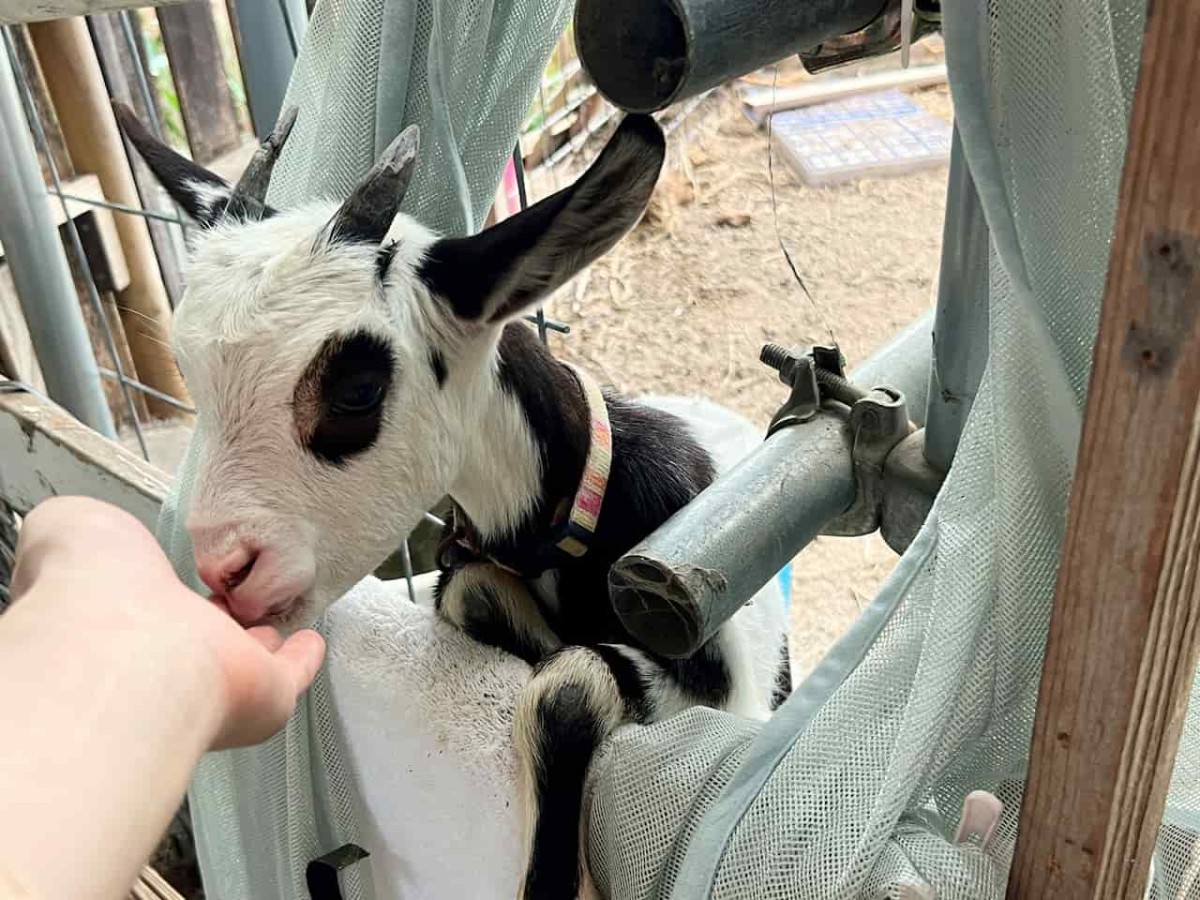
(368, 212)
(255, 180)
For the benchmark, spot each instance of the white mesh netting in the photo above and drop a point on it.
(466, 72)
(854, 789)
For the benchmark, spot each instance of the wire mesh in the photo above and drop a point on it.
(76, 243)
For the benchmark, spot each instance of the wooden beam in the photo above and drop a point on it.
(13, 11)
(1123, 642)
(47, 452)
(81, 98)
(198, 69)
(18, 359)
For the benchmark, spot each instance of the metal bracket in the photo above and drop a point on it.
(883, 34)
(797, 370)
(878, 420)
(910, 485)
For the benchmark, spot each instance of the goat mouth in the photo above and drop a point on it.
(279, 615)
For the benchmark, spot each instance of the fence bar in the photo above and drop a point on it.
(960, 331)
(678, 586)
(39, 268)
(270, 36)
(81, 259)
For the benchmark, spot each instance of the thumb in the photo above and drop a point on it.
(301, 656)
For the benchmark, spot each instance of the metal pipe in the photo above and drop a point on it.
(960, 328)
(644, 55)
(270, 35)
(678, 586)
(76, 244)
(44, 284)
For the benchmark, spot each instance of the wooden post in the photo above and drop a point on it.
(77, 87)
(190, 37)
(1123, 640)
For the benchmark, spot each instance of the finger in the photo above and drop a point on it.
(301, 655)
(267, 636)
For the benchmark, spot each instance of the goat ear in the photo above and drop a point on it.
(202, 194)
(501, 272)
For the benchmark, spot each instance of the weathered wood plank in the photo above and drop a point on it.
(18, 359)
(190, 36)
(1123, 639)
(12, 11)
(46, 452)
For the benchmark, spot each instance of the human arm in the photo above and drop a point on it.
(114, 680)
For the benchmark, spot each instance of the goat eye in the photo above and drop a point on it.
(357, 397)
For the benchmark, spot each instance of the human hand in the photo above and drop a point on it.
(103, 571)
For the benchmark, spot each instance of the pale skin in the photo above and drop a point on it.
(114, 679)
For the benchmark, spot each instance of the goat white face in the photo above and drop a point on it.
(342, 360)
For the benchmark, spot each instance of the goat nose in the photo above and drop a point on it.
(223, 573)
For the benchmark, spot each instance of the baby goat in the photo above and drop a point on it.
(351, 368)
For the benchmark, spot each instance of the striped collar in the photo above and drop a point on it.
(574, 526)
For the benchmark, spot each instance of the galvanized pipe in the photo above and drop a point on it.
(44, 284)
(960, 328)
(270, 36)
(644, 55)
(678, 586)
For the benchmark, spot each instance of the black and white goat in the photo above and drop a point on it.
(351, 368)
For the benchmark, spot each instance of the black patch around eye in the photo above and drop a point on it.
(340, 398)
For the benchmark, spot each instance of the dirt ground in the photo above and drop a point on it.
(684, 304)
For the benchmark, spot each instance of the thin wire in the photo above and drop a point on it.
(81, 259)
(523, 201)
(775, 214)
(16, 386)
(143, 83)
(119, 207)
(146, 389)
